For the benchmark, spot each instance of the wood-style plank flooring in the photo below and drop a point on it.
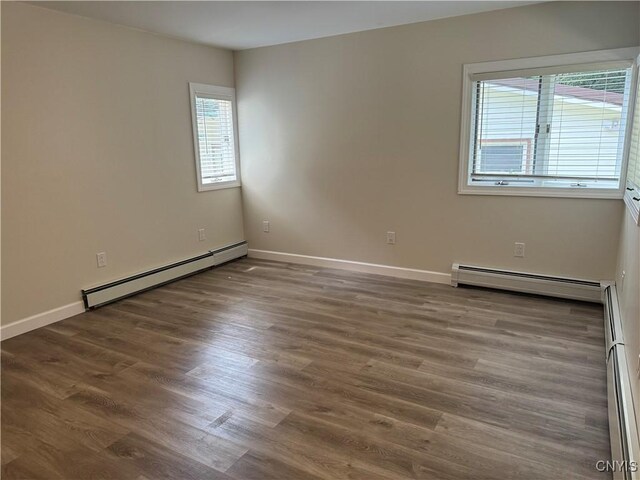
(264, 370)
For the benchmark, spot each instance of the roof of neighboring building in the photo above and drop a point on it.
(566, 90)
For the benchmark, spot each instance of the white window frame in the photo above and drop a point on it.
(631, 193)
(466, 131)
(219, 93)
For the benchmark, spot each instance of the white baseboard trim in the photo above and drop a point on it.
(388, 270)
(40, 320)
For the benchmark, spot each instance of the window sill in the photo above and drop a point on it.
(219, 186)
(552, 192)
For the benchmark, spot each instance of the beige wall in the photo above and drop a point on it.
(97, 155)
(629, 297)
(344, 138)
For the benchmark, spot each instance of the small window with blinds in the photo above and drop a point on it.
(215, 139)
(632, 192)
(531, 128)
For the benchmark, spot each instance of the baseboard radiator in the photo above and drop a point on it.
(572, 288)
(112, 291)
(623, 430)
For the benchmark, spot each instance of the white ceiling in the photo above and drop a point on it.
(243, 24)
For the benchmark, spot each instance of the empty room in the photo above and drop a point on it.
(320, 240)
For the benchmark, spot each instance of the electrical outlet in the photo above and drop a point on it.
(265, 226)
(102, 259)
(518, 250)
(391, 238)
(201, 234)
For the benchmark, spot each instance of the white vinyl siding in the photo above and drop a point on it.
(554, 130)
(215, 139)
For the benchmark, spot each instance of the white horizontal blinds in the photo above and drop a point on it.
(550, 127)
(633, 171)
(216, 143)
(505, 126)
(587, 130)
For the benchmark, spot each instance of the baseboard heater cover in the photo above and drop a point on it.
(623, 429)
(112, 291)
(572, 288)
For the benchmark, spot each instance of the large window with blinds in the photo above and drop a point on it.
(552, 126)
(213, 111)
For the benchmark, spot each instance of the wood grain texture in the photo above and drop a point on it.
(265, 370)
